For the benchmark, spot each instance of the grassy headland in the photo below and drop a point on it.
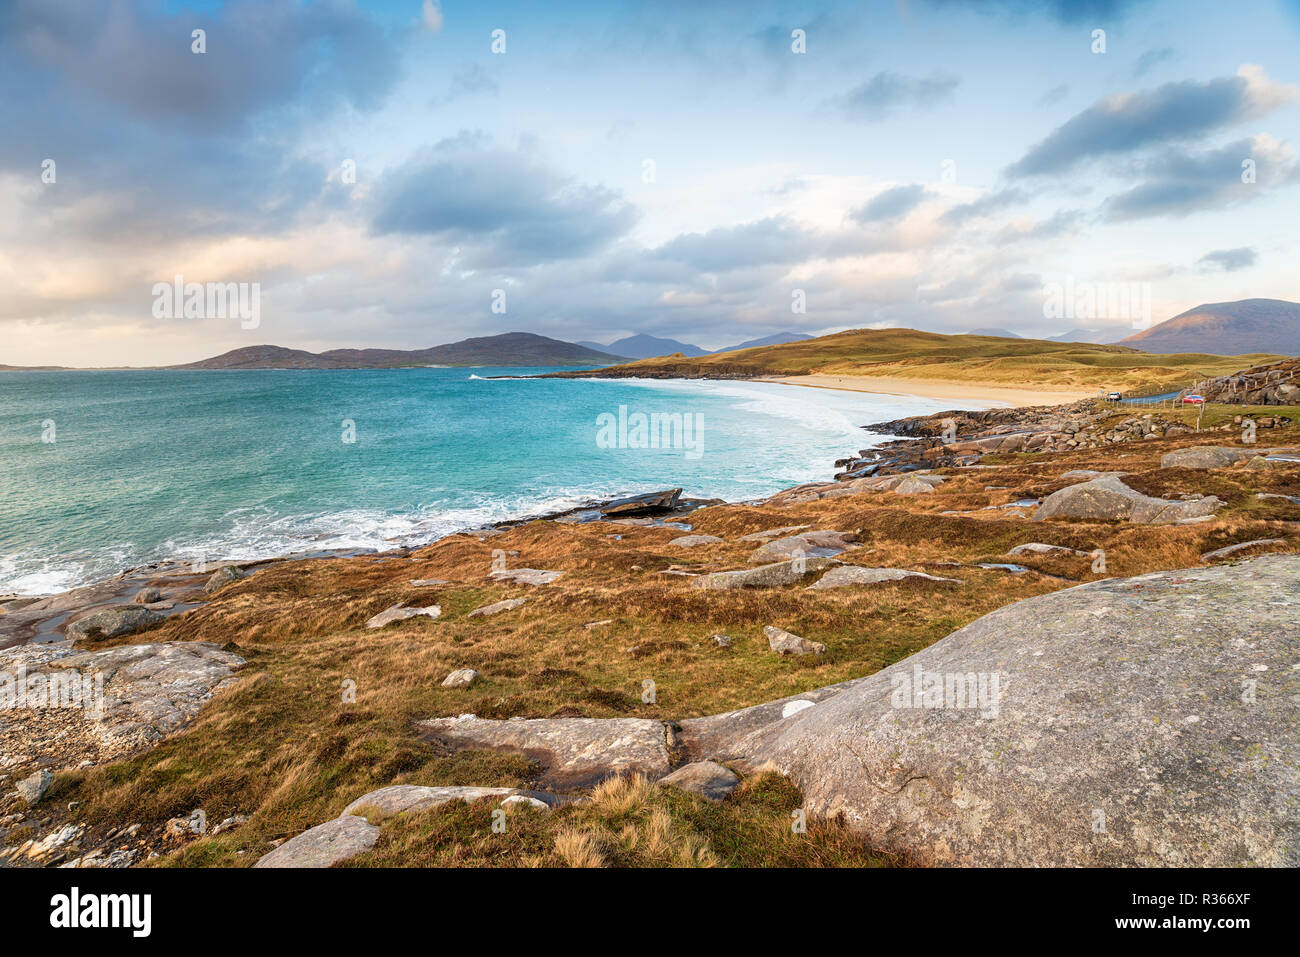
(911, 354)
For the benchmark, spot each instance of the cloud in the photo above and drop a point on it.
(765, 242)
(258, 56)
(470, 80)
(507, 206)
(887, 92)
(986, 205)
(1229, 260)
(1178, 182)
(890, 204)
(431, 14)
(1173, 112)
(1150, 60)
(1063, 11)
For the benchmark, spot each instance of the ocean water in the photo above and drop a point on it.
(103, 471)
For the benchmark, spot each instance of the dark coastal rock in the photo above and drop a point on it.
(112, 622)
(651, 503)
(786, 643)
(148, 596)
(1109, 499)
(575, 752)
(1141, 722)
(764, 576)
(224, 576)
(848, 575)
(819, 544)
(708, 779)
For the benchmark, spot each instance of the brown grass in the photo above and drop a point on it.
(285, 747)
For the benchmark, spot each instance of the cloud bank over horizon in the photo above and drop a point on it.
(406, 173)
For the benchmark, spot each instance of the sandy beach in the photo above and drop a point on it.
(934, 389)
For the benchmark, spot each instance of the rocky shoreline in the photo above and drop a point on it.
(154, 689)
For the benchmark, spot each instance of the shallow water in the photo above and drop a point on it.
(101, 471)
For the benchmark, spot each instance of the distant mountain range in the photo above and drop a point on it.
(642, 346)
(1093, 336)
(507, 349)
(1226, 328)
(999, 333)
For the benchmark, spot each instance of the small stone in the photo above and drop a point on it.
(148, 596)
(33, 788)
(496, 607)
(224, 576)
(722, 641)
(399, 613)
(460, 679)
(525, 576)
(708, 779)
(785, 643)
(516, 799)
(690, 541)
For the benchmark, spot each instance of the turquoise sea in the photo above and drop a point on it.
(102, 471)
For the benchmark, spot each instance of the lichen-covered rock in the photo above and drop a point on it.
(526, 576)
(847, 575)
(692, 541)
(708, 779)
(1109, 499)
(224, 576)
(508, 604)
(399, 612)
(786, 643)
(764, 576)
(325, 844)
(820, 544)
(462, 678)
(112, 622)
(1147, 721)
(118, 700)
(1229, 550)
(400, 798)
(1204, 457)
(32, 789)
(575, 752)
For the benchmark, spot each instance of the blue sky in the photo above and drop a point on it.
(926, 163)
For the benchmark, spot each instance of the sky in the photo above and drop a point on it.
(405, 173)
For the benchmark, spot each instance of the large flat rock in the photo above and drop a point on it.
(325, 844)
(574, 752)
(1148, 721)
(123, 699)
(1109, 499)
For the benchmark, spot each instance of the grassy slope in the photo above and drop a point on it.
(908, 353)
(284, 748)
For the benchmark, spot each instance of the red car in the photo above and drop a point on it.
(1194, 399)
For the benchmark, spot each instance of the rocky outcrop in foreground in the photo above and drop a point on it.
(100, 705)
(1145, 721)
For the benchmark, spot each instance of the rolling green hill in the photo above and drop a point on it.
(911, 354)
